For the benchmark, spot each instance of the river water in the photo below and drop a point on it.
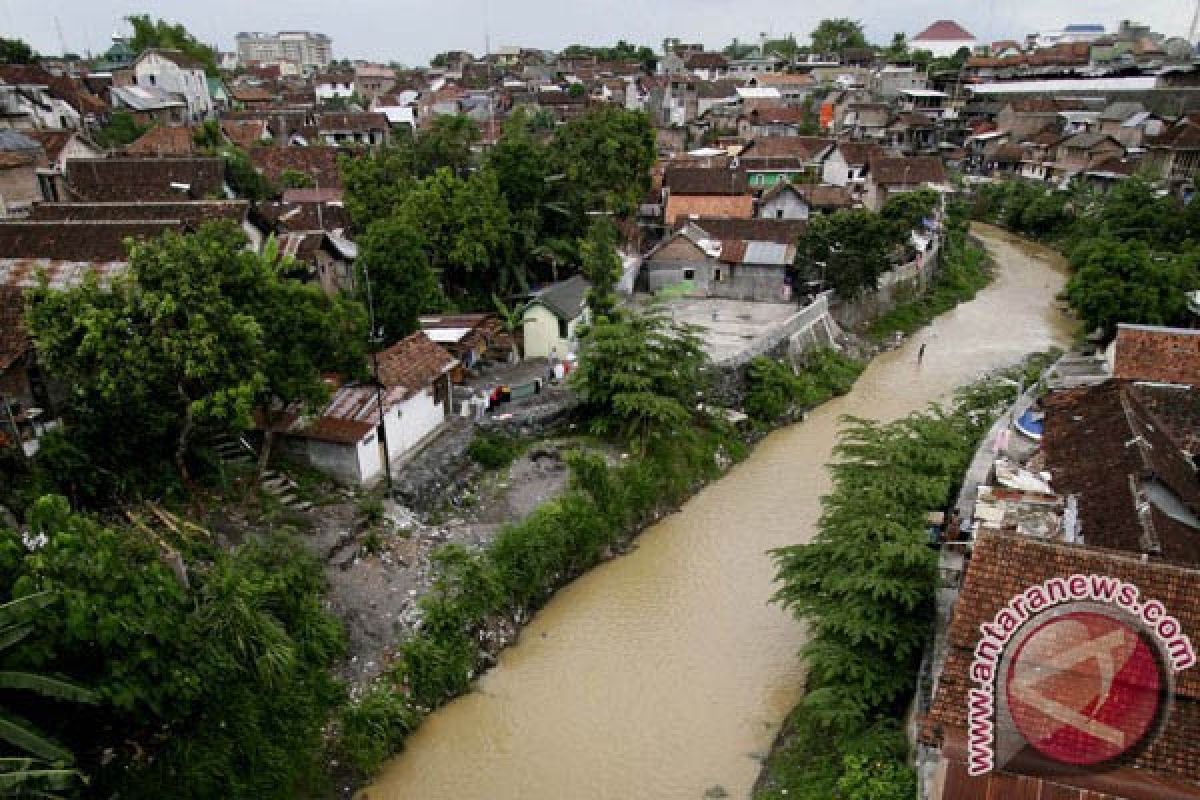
(667, 671)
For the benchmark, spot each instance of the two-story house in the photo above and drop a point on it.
(180, 75)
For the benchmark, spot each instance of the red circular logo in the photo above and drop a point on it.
(1084, 688)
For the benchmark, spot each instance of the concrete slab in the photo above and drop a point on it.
(730, 326)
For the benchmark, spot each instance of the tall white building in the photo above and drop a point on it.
(309, 50)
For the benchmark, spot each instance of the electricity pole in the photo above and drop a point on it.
(375, 338)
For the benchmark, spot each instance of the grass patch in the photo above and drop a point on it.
(964, 271)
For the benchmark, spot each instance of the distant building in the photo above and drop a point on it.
(311, 50)
(178, 74)
(944, 38)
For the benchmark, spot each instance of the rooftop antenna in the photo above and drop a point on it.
(62, 41)
(1195, 23)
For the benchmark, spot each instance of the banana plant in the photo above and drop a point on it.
(46, 767)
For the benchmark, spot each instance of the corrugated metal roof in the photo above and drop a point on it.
(1137, 84)
(770, 253)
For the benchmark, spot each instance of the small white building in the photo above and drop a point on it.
(343, 440)
(943, 38)
(180, 75)
(333, 86)
(552, 319)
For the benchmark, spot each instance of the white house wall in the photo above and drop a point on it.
(418, 416)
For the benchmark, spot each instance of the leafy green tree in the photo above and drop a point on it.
(865, 584)
(157, 33)
(17, 51)
(49, 767)
(838, 35)
(446, 144)
(403, 285)
(1126, 281)
(736, 50)
(898, 49)
(519, 162)
(601, 265)
(847, 249)
(193, 339)
(639, 377)
(377, 182)
(122, 129)
(604, 156)
(908, 209)
(295, 179)
(217, 688)
(465, 225)
(243, 178)
(864, 779)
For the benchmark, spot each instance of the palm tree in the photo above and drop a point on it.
(46, 768)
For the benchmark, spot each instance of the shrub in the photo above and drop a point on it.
(373, 727)
(493, 450)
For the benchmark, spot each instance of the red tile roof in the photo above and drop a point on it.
(361, 121)
(1102, 444)
(704, 181)
(902, 171)
(76, 241)
(134, 179)
(683, 207)
(319, 163)
(1001, 567)
(413, 363)
(245, 133)
(1156, 354)
(805, 147)
(944, 30)
(163, 140)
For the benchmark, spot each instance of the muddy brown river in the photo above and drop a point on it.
(666, 672)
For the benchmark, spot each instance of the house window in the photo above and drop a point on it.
(152, 80)
(689, 274)
(564, 329)
(717, 274)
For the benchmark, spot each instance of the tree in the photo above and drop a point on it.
(218, 689)
(601, 265)
(867, 779)
(908, 210)
(735, 50)
(898, 49)
(446, 144)
(605, 156)
(376, 183)
(465, 227)
(157, 33)
(191, 340)
(17, 51)
(295, 179)
(122, 129)
(243, 178)
(403, 285)
(48, 770)
(848, 249)
(1127, 281)
(838, 35)
(638, 378)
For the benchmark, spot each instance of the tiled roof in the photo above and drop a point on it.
(859, 153)
(251, 94)
(319, 163)
(164, 140)
(704, 181)
(1177, 407)
(805, 147)
(14, 340)
(190, 213)
(52, 141)
(67, 89)
(297, 217)
(176, 57)
(705, 61)
(1102, 444)
(413, 363)
(325, 195)
(944, 30)
(1005, 565)
(361, 121)
(76, 241)
(11, 159)
(826, 197)
(25, 273)
(776, 115)
(683, 207)
(245, 133)
(134, 179)
(1157, 354)
(1184, 135)
(902, 171)
(782, 231)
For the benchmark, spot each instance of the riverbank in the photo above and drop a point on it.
(670, 661)
(823, 748)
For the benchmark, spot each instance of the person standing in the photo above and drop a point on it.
(921, 352)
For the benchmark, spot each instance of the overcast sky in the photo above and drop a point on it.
(410, 31)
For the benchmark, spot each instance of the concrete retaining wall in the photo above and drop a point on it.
(895, 287)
